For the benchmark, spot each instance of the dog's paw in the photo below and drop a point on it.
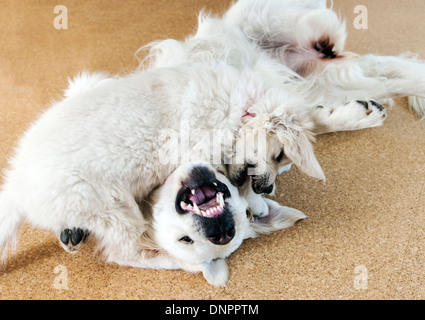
(73, 239)
(257, 207)
(371, 106)
(353, 115)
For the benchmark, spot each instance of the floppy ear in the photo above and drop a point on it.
(216, 272)
(298, 148)
(279, 217)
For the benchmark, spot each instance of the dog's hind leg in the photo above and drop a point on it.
(368, 76)
(405, 71)
(73, 239)
(353, 115)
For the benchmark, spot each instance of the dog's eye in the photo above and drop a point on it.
(186, 240)
(280, 157)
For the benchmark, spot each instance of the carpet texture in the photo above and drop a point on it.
(364, 238)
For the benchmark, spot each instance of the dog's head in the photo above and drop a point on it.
(269, 142)
(199, 219)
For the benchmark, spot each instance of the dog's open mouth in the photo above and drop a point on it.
(204, 200)
(202, 194)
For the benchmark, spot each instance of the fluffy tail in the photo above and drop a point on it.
(10, 221)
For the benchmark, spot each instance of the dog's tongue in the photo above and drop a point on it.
(202, 194)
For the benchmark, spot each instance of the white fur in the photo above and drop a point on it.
(84, 82)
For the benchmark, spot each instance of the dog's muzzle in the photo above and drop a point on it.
(204, 196)
(260, 184)
(262, 190)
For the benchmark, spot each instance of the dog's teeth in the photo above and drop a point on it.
(214, 183)
(182, 205)
(195, 207)
(221, 199)
(189, 206)
(193, 191)
(203, 213)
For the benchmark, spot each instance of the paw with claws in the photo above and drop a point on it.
(353, 115)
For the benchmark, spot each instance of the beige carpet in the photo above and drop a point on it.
(364, 238)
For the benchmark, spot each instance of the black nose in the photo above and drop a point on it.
(222, 239)
(268, 190)
(259, 189)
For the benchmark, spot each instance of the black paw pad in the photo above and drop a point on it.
(73, 237)
(377, 105)
(363, 103)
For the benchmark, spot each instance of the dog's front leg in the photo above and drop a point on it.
(256, 204)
